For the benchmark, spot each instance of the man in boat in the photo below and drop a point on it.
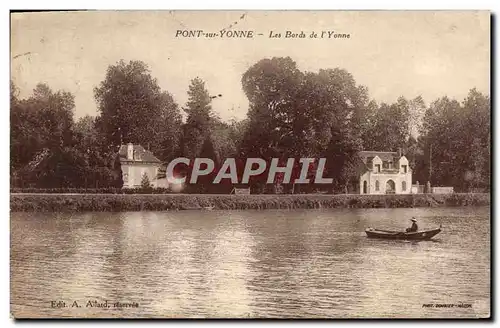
(414, 226)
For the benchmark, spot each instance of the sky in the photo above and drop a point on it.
(393, 53)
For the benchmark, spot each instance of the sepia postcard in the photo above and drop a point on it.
(250, 164)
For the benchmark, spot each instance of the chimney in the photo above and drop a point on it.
(399, 152)
(130, 151)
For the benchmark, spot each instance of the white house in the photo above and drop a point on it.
(384, 173)
(135, 163)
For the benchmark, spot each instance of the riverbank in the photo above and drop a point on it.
(152, 202)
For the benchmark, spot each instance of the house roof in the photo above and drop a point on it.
(361, 166)
(140, 154)
(383, 155)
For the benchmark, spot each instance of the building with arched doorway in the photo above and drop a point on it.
(384, 173)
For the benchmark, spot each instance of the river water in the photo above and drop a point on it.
(239, 264)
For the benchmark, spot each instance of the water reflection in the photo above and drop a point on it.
(249, 263)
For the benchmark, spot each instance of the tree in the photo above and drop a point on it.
(61, 168)
(341, 113)
(102, 163)
(271, 86)
(342, 159)
(145, 183)
(49, 150)
(41, 124)
(199, 119)
(389, 127)
(416, 112)
(412, 151)
(205, 182)
(133, 108)
(14, 93)
(296, 114)
(86, 132)
(456, 138)
(227, 137)
(477, 117)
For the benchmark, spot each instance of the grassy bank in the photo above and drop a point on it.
(111, 202)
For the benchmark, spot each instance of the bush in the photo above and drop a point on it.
(159, 202)
(89, 191)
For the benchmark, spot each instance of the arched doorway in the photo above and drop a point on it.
(365, 187)
(390, 187)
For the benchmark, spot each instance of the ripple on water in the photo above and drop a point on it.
(284, 264)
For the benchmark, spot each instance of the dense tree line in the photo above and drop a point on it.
(49, 150)
(292, 114)
(457, 137)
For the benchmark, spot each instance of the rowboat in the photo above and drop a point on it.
(388, 234)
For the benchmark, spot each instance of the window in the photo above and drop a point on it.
(377, 185)
(403, 185)
(389, 165)
(405, 168)
(377, 168)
